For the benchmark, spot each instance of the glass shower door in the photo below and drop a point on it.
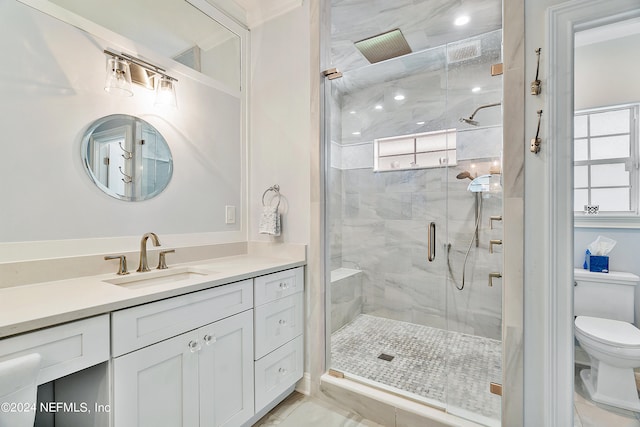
(391, 159)
(408, 242)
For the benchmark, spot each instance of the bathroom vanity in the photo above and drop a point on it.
(215, 343)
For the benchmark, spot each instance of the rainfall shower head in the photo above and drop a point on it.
(465, 174)
(470, 120)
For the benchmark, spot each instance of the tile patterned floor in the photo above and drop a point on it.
(422, 358)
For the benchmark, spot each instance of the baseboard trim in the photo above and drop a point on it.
(304, 385)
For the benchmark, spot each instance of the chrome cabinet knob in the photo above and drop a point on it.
(194, 346)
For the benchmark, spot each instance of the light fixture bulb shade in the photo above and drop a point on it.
(118, 80)
(166, 93)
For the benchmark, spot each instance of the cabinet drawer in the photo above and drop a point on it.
(64, 349)
(137, 327)
(277, 285)
(278, 371)
(277, 322)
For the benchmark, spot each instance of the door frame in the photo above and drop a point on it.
(562, 22)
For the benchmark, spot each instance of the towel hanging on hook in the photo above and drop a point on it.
(270, 217)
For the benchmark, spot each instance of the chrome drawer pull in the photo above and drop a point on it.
(282, 322)
(283, 371)
(208, 339)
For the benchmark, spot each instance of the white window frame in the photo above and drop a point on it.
(610, 219)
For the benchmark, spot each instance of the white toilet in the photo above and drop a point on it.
(604, 306)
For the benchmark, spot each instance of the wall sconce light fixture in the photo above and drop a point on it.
(123, 69)
(166, 93)
(118, 77)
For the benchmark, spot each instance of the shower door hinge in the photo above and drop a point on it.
(495, 388)
(332, 73)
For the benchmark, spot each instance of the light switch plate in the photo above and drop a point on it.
(230, 214)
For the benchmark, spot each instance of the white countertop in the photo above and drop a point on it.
(28, 307)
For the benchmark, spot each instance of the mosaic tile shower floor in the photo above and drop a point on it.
(422, 358)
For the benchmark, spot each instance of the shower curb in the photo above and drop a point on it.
(385, 408)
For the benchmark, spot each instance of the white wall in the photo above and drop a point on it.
(280, 129)
(607, 73)
(623, 257)
(52, 91)
(535, 204)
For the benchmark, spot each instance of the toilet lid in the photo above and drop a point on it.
(607, 331)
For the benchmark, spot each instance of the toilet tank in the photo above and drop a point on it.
(606, 295)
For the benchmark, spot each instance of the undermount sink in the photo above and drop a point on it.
(159, 277)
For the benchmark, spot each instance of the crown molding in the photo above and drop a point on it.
(261, 11)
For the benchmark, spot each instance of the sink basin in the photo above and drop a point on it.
(160, 277)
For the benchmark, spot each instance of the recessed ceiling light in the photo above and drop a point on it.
(419, 123)
(355, 133)
(476, 89)
(352, 112)
(378, 107)
(398, 97)
(461, 20)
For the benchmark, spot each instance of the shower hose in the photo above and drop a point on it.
(466, 256)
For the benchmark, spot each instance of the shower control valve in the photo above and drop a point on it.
(494, 276)
(494, 218)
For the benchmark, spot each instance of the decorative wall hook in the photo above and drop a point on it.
(127, 154)
(127, 178)
(535, 85)
(535, 142)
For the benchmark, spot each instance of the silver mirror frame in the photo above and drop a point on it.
(132, 185)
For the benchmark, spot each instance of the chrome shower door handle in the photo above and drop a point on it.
(431, 245)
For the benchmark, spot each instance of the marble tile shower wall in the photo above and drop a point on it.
(378, 221)
(384, 233)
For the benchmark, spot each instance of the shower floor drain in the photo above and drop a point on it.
(386, 357)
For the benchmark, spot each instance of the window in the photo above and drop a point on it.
(419, 151)
(606, 161)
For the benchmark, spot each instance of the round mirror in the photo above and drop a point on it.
(126, 157)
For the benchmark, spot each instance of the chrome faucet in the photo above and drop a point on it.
(144, 266)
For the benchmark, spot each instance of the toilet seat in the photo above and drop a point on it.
(610, 332)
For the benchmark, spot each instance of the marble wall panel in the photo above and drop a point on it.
(346, 300)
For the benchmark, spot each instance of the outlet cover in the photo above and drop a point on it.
(230, 214)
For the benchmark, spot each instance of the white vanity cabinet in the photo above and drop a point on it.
(217, 357)
(279, 318)
(64, 349)
(201, 377)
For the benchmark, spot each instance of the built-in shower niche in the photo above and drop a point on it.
(346, 296)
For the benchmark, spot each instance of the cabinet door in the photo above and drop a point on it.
(158, 385)
(226, 371)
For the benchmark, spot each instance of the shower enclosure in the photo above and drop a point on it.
(414, 205)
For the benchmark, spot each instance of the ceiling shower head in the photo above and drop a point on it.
(470, 120)
(465, 174)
